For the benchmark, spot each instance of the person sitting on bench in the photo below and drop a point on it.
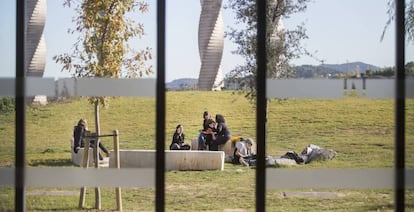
(79, 138)
(221, 135)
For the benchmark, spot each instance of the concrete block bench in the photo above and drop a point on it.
(174, 159)
(77, 158)
(227, 148)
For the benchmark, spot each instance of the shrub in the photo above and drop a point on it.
(7, 104)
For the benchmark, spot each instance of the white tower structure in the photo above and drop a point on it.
(210, 45)
(35, 42)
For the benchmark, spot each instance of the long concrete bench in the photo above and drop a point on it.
(174, 159)
(227, 148)
(77, 158)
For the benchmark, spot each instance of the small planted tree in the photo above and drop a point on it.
(102, 49)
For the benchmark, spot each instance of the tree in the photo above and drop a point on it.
(409, 19)
(282, 44)
(102, 49)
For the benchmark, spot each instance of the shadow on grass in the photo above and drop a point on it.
(387, 207)
(56, 209)
(52, 162)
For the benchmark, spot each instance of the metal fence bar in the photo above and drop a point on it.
(276, 88)
(335, 178)
(261, 106)
(20, 151)
(70, 87)
(145, 177)
(400, 107)
(160, 115)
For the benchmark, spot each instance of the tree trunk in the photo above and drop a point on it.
(97, 121)
(97, 140)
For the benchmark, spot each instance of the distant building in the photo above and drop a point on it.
(35, 52)
(35, 42)
(210, 45)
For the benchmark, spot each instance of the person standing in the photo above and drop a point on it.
(177, 142)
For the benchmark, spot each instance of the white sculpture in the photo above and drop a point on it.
(210, 45)
(35, 54)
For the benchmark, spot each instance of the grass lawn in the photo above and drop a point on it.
(360, 130)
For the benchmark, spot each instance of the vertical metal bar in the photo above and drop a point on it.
(261, 108)
(160, 101)
(400, 107)
(118, 193)
(20, 200)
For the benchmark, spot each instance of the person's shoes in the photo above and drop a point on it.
(107, 154)
(243, 162)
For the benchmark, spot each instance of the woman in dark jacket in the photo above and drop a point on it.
(222, 134)
(79, 136)
(177, 142)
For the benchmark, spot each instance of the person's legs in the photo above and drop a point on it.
(174, 147)
(92, 144)
(221, 140)
(185, 147)
(201, 142)
(243, 162)
(104, 149)
(213, 146)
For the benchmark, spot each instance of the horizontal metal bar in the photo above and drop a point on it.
(304, 88)
(98, 136)
(7, 87)
(335, 178)
(40, 86)
(276, 88)
(115, 87)
(380, 88)
(275, 178)
(70, 87)
(78, 177)
(335, 88)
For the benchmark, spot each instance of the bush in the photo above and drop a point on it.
(7, 104)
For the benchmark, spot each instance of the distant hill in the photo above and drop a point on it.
(325, 70)
(302, 71)
(182, 84)
(345, 67)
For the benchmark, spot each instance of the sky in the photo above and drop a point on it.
(340, 31)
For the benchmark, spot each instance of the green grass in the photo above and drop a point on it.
(360, 130)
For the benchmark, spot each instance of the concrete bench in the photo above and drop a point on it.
(174, 159)
(227, 148)
(77, 158)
